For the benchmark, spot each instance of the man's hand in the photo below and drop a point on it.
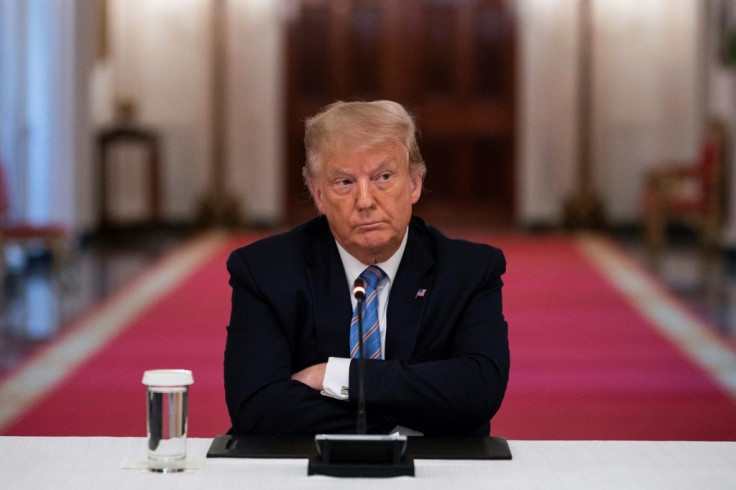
(313, 376)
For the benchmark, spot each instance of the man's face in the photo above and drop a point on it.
(367, 197)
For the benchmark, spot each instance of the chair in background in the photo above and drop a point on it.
(54, 237)
(693, 193)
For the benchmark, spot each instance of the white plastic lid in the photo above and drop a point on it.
(168, 377)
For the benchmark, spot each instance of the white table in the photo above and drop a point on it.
(95, 463)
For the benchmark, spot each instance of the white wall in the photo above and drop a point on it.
(547, 90)
(648, 104)
(647, 91)
(255, 137)
(646, 108)
(161, 57)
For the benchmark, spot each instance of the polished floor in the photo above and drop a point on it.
(39, 304)
(706, 283)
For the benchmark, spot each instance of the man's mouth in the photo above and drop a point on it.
(369, 226)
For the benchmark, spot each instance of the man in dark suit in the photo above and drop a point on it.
(436, 333)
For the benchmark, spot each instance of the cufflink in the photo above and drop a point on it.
(344, 391)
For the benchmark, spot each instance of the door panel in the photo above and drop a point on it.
(451, 63)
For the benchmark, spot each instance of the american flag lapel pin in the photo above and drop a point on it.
(420, 293)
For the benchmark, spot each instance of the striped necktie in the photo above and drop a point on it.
(371, 333)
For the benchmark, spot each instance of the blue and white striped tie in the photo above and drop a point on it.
(371, 333)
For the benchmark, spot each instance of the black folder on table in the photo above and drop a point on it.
(418, 447)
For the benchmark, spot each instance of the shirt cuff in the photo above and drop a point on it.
(337, 378)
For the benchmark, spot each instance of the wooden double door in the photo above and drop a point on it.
(450, 62)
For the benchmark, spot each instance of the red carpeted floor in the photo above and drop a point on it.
(586, 364)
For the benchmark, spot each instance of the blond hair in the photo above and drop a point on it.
(359, 126)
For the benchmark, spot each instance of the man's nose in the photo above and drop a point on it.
(365, 195)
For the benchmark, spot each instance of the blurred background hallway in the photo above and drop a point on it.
(128, 127)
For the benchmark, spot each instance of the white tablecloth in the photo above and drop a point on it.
(95, 463)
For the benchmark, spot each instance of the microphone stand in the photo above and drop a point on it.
(361, 423)
(361, 455)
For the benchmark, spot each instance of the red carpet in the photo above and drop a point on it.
(586, 364)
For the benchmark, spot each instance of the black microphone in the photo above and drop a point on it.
(359, 289)
(359, 294)
(360, 454)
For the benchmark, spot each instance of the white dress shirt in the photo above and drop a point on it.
(337, 373)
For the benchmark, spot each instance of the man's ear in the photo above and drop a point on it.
(416, 182)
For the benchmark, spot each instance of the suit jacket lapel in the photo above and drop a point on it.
(330, 296)
(406, 304)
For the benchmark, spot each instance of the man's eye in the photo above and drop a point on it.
(343, 182)
(384, 176)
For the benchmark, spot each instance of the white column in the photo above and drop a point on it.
(53, 103)
(255, 139)
(547, 91)
(12, 98)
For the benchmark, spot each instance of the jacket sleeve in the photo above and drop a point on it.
(260, 395)
(463, 390)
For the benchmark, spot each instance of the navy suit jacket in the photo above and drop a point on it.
(446, 361)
